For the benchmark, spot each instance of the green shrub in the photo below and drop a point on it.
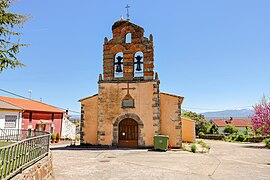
(240, 137)
(203, 144)
(53, 137)
(212, 129)
(230, 129)
(267, 142)
(201, 134)
(57, 136)
(229, 139)
(193, 148)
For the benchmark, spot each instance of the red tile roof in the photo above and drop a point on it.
(30, 105)
(234, 122)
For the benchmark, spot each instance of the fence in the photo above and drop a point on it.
(28, 147)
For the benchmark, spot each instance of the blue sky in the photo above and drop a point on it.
(214, 53)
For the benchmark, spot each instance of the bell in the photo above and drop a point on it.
(138, 67)
(118, 68)
(118, 64)
(138, 58)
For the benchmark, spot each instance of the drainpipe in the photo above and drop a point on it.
(61, 124)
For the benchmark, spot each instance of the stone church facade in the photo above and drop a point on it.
(129, 108)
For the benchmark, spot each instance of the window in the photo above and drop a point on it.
(10, 121)
(128, 38)
(118, 65)
(138, 64)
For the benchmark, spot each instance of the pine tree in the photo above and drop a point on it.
(10, 39)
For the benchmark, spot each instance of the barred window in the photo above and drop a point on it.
(10, 121)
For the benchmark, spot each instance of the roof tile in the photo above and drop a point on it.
(31, 105)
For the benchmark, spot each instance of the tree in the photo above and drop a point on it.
(10, 39)
(201, 124)
(230, 129)
(213, 129)
(261, 117)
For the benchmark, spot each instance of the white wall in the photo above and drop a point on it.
(2, 119)
(68, 129)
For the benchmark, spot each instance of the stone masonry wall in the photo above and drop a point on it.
(146, 111)
(118, 44)
(41, 170)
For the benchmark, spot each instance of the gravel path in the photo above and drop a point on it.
(225, 161)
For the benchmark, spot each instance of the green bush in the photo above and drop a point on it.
(240, 137)
(230, 129)
(229, 139)
(57, 136)
(212, 129)
(193, 148)
(201, 134)
(53, 137)
(267, 142)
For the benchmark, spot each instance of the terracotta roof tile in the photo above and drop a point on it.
(240, 123)
(235, 122)
(30, 105)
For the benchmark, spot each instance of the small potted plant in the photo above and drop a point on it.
(53, 138)
(57, 137)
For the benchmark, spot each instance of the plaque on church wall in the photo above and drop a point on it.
(128, 103)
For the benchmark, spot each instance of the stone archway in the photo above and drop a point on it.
(134, 117)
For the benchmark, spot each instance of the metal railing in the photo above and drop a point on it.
(28, 147)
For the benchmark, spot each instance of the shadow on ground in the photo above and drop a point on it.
(255, 146)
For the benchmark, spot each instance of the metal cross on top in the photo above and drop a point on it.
(127, 6)
(128, 88)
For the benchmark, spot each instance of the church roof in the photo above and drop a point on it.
(181, 97)
(88, 97)
(187, 119)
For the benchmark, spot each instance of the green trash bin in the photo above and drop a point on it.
(161, 142)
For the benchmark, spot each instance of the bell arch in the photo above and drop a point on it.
(128, 116)
(128, 38)
(118, 64)
(138, 64)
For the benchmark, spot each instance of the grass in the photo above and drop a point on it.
(198, 147)
(5, 143)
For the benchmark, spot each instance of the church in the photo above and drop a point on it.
(129, 108)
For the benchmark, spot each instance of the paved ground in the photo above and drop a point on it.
(225, 161)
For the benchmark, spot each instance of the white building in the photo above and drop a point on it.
(68, 128)
(10, 116)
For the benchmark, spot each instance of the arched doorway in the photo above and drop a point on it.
(128, 133)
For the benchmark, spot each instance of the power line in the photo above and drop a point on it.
(14, 94)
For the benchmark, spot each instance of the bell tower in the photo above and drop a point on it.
(128, 55)
(128, 89)
(129, 109)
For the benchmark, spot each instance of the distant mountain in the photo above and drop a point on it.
(75, 116)
(243, 113)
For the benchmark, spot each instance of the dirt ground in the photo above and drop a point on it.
(224, 161)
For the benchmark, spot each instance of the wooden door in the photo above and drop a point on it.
(128, 133)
